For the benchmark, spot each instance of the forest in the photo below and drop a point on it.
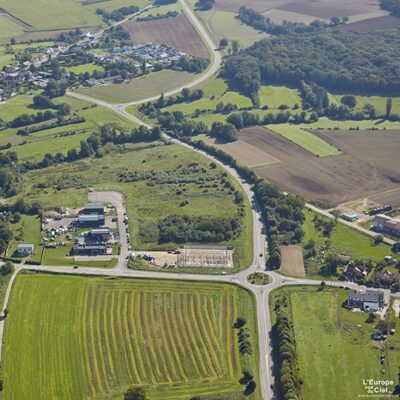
(344, 61)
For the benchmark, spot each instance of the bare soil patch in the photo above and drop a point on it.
(292, 260)
(176, 32)
(327, 8)
(244, 153)
(369, 166)
(257, 5)
(385, 22)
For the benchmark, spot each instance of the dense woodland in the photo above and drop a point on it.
(346, 61)
(393, 6)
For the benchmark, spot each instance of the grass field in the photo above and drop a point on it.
(274, 96)
(307, 140)
(94, 337)
(52, 140)
(333, 344)
(325, 123)
(147, 203)
(139, 88)
(379, 102)
(9, 29)
(161, 10)
(81, 69)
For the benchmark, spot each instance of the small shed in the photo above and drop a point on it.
(25, 250)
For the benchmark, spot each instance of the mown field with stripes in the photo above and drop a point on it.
(92, 338)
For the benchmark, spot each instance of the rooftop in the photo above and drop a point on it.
(370, 296)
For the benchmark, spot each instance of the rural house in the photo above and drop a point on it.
(355, 271)
(371, 300)
(25, 250)
(386, 224)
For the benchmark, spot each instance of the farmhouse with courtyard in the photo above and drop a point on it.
(386, 224)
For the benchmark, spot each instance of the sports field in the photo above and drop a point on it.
(333, 344)
(80, 338)
(143, 87)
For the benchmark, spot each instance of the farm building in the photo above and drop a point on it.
(89, 250)
(386, 224)
(349, 217)
(90, 220)
(93, 208)
(24, 250)
(368, 301)
(355, 271)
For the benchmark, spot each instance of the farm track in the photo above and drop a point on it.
(24, 25)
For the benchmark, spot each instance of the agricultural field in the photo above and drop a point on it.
(333, 344)
(278, 16)
(152, 84)
(176, 32)
(224, 24)
(275, 96)
(381, 22)
(9, 29)
(368, 166)
(161, 10)
(292, 260)
(37, 15)
(306, 140)
(34, 146)
(176, 339)
(176, 189)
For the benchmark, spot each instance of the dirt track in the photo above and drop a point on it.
(176, 32)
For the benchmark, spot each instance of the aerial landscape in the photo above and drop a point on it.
(199, 199)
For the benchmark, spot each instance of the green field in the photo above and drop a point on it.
(161, 10)
(95, 337)
(379, 102)
(223, 24)
(333, 344)
(325, 123)
(147, 203)
(307, 140)
(52, 140)
(9, 29)
(274, 96)
(143, 87)
(81, 69)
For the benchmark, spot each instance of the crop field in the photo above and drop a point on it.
(67, 185)
(176, 32)
(274, 96)
(9, 28)
(327, 9)
(368, 166)
(258, 5)
(306, 140)
(60, 14)
(95, 337)
(333, 344)
(278, 16)
(292, 260)
(152, 84)
(383, 22)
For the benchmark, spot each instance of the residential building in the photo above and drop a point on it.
(25, 250)
(371, 300)
(385, 224)
(355, 272)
